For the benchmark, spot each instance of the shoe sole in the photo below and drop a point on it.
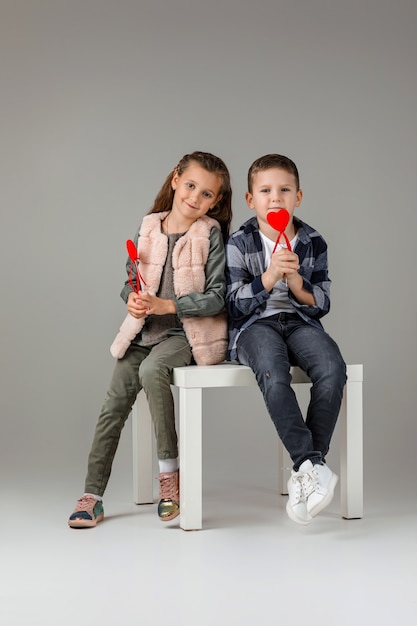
(298, 520)
(168, 518)
(327, 498)
(85, 523)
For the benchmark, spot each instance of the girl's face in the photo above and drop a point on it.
(195, 192)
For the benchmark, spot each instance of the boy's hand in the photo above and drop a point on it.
(284, 265)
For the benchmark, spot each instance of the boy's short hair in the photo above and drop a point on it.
(269, 161)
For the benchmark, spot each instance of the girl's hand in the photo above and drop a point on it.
(135, 306)
(154, 305)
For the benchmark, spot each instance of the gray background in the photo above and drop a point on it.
(99, 100)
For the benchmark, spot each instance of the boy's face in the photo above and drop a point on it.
(273, 189)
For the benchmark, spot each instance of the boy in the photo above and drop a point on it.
(275, 301)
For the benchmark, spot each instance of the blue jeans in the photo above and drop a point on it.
(270, 346)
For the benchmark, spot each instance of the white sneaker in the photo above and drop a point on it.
(296, 505)
(318, 486)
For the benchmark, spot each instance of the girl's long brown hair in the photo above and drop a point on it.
(222, 211)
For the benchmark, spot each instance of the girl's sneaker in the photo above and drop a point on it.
(169, 495)
(88, 513)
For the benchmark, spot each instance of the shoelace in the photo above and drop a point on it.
(308, 483)
(84, 503)
(297, 479)
(168, 486)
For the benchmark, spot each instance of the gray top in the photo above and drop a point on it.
(158, 327)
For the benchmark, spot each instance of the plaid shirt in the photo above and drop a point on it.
(245, 263)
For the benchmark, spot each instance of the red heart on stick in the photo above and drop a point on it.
(131, 250)
(134, 257)
(278, 219)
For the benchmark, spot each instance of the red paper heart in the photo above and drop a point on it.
(278, 219)
(131, 250)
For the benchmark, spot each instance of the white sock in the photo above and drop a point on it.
(168, 465)
(94, 496)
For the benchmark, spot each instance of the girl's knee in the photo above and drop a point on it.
(152, 370)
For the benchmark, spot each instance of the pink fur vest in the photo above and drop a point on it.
(207, 336)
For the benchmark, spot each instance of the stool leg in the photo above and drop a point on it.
(351, 453)
(142, 451)
(190, 426)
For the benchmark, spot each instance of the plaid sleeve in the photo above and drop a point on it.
(314, 271)
(245, 292)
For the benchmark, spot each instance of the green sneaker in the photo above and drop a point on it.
(169, 495)
(88, 513)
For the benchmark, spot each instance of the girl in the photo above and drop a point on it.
(178, 317)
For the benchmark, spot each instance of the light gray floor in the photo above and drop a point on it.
(249, 565)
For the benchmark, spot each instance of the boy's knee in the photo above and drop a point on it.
(337, 373)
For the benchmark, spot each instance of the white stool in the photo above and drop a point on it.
(190, 382)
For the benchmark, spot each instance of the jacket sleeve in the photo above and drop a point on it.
(245, 292)
(314, 271)
(211, 302)
(124, 294)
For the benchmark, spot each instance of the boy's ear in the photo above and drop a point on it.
(299, 197)
(249, 200)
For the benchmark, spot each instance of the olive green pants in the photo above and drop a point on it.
(149, 369)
